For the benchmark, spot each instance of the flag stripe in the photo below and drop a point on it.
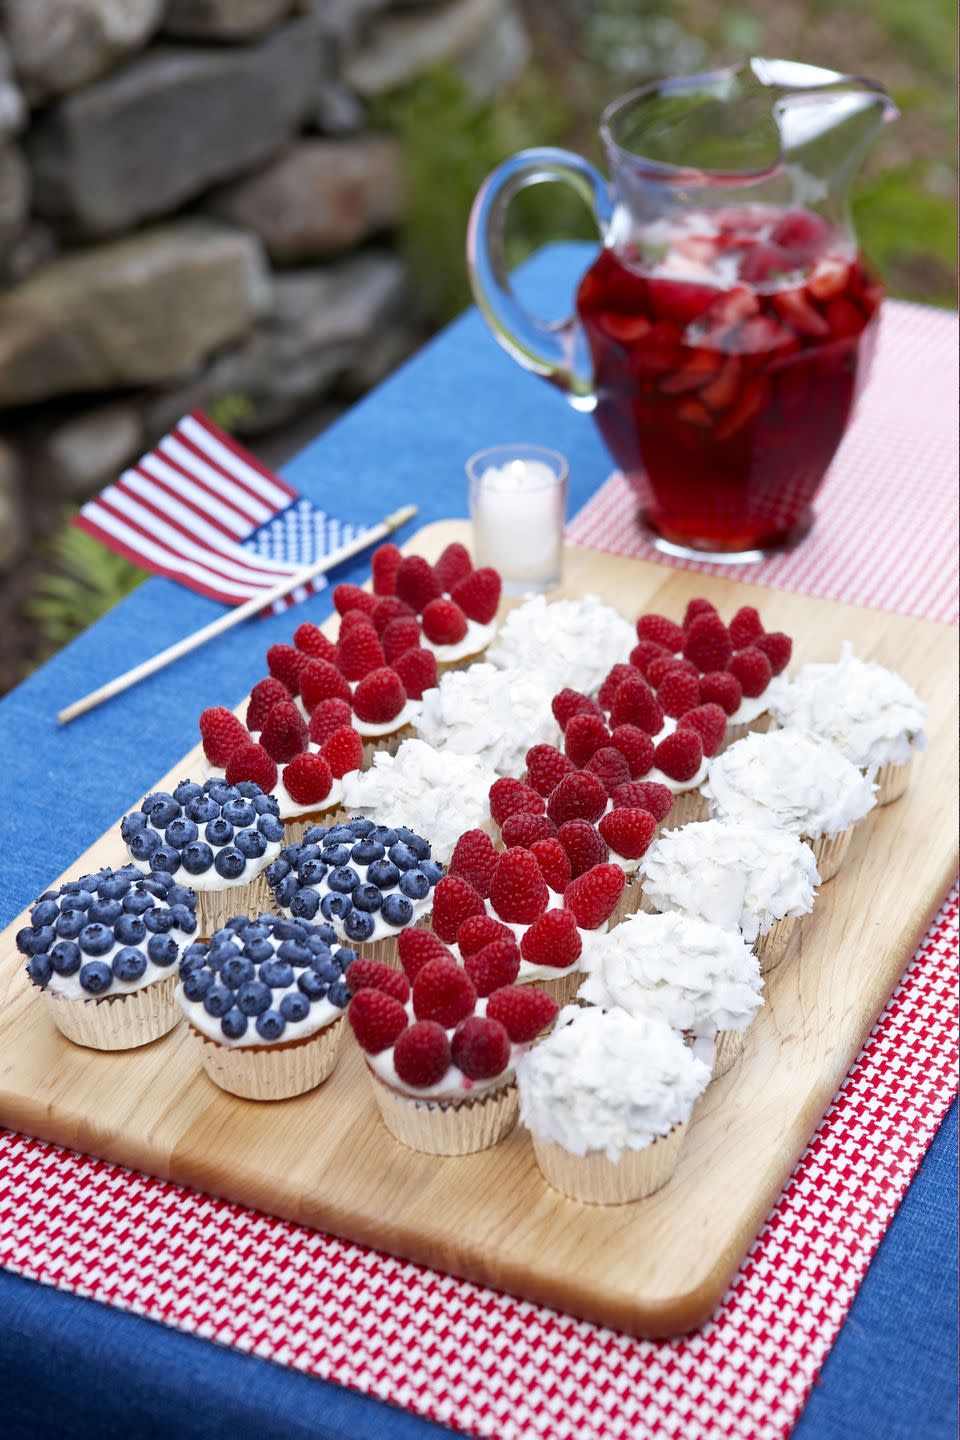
(191, 488)
(127, 542)
(224, 451)
(121, 520)
(236, 495)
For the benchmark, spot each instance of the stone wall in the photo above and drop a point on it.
(193, 211)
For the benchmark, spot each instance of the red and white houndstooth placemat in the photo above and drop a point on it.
(493, 1366)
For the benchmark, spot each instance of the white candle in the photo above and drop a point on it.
(518, 508)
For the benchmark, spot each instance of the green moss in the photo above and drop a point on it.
(81, 581)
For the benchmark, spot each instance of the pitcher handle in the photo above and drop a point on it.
(556, 350)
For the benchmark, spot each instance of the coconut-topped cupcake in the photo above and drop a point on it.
(606, 1098)
(563, 642)
(794, 781)
(104, 948)
(869, 713)
(702, 980)
(746, 878)
(490, 714)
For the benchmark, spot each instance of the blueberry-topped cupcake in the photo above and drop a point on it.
(216, 838)
(264, 999)
(368, 881)
(104, 950)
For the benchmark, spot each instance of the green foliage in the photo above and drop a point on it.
(917, 259)
(82, 581)
(228, 409)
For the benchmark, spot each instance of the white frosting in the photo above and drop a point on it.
(211, 880)
(494, 714)
(678, 787)
(373, 731)
(572, 643)
(451, 1086)
(321, 1014)
(741, 877)
(381, 930)
(750, 707)
(607, 1081)
(438, 794)
(475, 641)
(695, 975)
(70, 988)
(790, 780)
(869, 713)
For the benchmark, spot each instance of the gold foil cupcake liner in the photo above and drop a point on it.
(297, 826)
(271, 1072)
(117, 1022)
(448, 1127)
(772, 947)
(759, 726)
(687, 808)
(216, 907)
(386, 744)
(629, 902)
(563, 989)
(891, 781)
(830, 851)
(596, 1180)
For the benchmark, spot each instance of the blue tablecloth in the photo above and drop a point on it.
(75, 1369)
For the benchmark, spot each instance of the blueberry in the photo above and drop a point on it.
(39, 969)
(219, 831)
(192, 960)
(403, 857)
(240, 813)
(130, 930)
(415, 885)
(221, 949)
(137, 902)
(165, 858)
(339, 994)
(258, 949)
(131, 825)
(197, 858)
(251, 844)
(237, 971)
(367, 897)
(432, 870)
(326, 969)
(293, 854)
(271, 828)
(119, 884)
(384, 874)
(294, 1007)
(197, 983)
(311, 872)
(277, 870)
(34, 942)
(45, 912)
(290, 930)
(396, 910)
(184, 918)
(180, 833)
(90, 882)
(105, 912)
(344, 956)
(288, 890)
(236, 924)
(359, 925)
(70, 924)
(419, 846)
(159, 922)
(343, 879)
(336, 855)
(65, 957)
(76, 900)
(322, 935)
(254, 997)
(311, 985)
(229, 863)
(294, 952)
(218, 790)
(157, 884)
(333, 907)
(96, 939)
(144, 844)
(163, 949)
(95, 977)
(202, 809)
(249, 789)
(336, 835)
(304, 903)
(266, 805)
(129, 964)
(278, 974)
(365, 852)
(218, 1000)
(271, 1025)
(234, 1024)
(186, 791)
(161, 808)
(360, 826)
(182, 895)
(385, 835)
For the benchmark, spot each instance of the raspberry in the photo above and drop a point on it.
(359, 651)
(379, 697)
(635, 746)
(481, 1048)
(659, 668)
(718, 687)
(421, 1056)
(322, 681)
(522, 1011)
(697, 606)
(526, 829)
(478, 931)
(584, 844)
(644, 653)
(329, 716)
(222, 733)
(552, 940)
(443, 992)
(416, 583)
(307, 778)
(377, 1019)
(351, 597)
(644, 795)
(444, 623)
(387, 609)
(615, 679)
(610, 766)
(401, 635)
(752, 668)
(343, 751)
(518, 892)
(264, 695)
(546, 767)
(569, 703)
(511, 797)
(284, 732)
(453, 901)
(313, 642)
(746, 627)
(348, 621)
(251, 762)
(493, 965)
(592, 897)
(452, 566)
(367, 974)
(778, 649)
(584, 735)
(708, 644)
(636, 704)
(628, 832)
(286, 665)
(417, 669)
(680, 755)
(474, 859)
(661, 630)
(478, 595)
(710, 723)
(415, 947)
(384, 565)
(678, 693)
(580, 796)
(554, 863)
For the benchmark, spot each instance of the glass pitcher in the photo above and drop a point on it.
(726, 327)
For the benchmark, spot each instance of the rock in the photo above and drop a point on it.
(402, 44)
(33, 247)
(59, 44)
(13, 534)
(222, 19)
(141, 311)
(14, 197)
(168, 126)
(320, 198)
(336, 111)
(498, 60)
(13, 107)
(76, 455)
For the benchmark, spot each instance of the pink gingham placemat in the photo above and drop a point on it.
(493, 1366)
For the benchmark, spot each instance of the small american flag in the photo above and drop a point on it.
(203, 511)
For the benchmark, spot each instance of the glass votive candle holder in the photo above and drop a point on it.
(518, 506)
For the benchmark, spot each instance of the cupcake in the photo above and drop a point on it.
(794, 781)
(368, 882)
(264, 1000)
(869, 713)
(488, 714)
(441, 1060)
(103, 951)
(702, 980)
(607, 1097)
(216, 838)
(455, 604)
(571, 643)
(744, 877)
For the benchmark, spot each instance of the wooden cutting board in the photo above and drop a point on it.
(656, 1268)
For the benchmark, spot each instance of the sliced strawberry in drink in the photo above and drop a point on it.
(801, 231)
(701, 367)
(829, 279)
(761, 335)
(844, 318)
(718, 326)
(765, 261)
(722, 390)
(658, 352)
(693, 412)
(680, 301)
(795, 308)
(733, 218)
(754, 397)
(625, 329)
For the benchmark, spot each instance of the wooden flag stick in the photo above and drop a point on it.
(237, 615)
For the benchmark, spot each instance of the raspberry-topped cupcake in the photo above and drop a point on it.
(455, 605)
(103, 949)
